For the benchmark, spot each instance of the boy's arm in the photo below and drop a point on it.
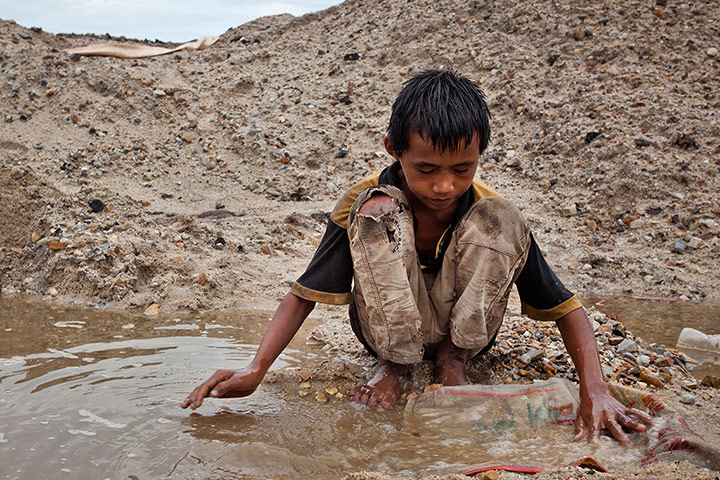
(288, 318)
(598, 409)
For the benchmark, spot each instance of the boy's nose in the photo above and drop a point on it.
(443, 186)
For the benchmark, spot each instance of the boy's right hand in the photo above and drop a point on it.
(224, 384)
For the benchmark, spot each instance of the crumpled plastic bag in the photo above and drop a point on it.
(495, 414)
(126, 50)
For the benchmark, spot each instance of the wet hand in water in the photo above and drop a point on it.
(604, 412)
(223, 384)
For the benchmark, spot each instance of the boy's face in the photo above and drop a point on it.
(437, 179)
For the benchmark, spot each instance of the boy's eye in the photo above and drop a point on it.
(425, 170)
(462, 170)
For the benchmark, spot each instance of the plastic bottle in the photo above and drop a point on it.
(697, 340)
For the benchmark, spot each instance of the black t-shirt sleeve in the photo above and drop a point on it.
(328, 277)
(543, 295)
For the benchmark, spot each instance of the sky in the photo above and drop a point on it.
(167, 20)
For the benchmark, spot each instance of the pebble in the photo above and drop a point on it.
(679, 246)
(687, 399)
(153, 309)
(712, 52)
(569, 210)
(627, 346)
(694, 243)
(643, 360)
(96, 205)
(52, 291)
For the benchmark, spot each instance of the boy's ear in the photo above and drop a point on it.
(389, 147)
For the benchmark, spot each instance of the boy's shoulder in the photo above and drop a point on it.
(341, 211)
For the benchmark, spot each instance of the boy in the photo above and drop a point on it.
(433, 254)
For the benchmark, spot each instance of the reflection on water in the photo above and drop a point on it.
(661, 320)
(93, 394)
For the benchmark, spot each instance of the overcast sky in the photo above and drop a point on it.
(168, 20)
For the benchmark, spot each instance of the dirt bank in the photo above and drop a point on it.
(202, 180)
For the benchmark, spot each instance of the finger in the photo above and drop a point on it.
(594, 432)
(631, 423)
(579, 429)
(616, 431)
(642, 416)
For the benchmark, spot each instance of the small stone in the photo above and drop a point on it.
(52, 291)
(303, 393)
(96, 205)
(664, 362)
(569, 210)
(219, 206)
(712, 52)
(219, 243)
(159, 93)
(264, 249)
(34, 237)
(651, 379)
(711, 381)
(51, 91)
(643, 360)
(627, 346)
(202, 279)
(153, 309)
(320, 397)
(531, 356)
(187, 137)
(679, 246)
(331, 391)
(490, 475)
(56, 245)
(694, 243)
(687, 399)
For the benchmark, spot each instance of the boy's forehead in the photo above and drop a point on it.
(421, 140)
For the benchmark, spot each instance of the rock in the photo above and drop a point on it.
(679, 246)
(35, 237)
(642, 142)
(187, 137)
(351, 57)
(159, 93)
(711, 381)
(219, 243)
(96, 205)
(712, 52)
(320, 397)
(219, 206)
(643, 360)
(531, 356)
(569, 210)
(153, 309)
(627, 346)
(52, 291)
(202, 279)
(590, 136)
(490, 475)
(650, 378)
(687, 399)
(694, 243)
(57, 245)
(664, 362)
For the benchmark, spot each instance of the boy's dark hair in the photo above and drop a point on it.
(443, 106)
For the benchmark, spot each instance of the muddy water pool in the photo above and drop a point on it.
(87, 393)
(662, 320)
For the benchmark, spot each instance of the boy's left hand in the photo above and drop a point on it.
(600, 411)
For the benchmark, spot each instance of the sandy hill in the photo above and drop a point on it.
(202, 179)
